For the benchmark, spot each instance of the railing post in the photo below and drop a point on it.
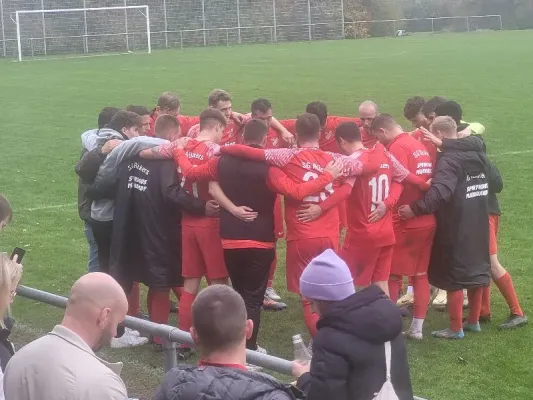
(501, 24)
(432, 25)
(181, 39)
(165, 22)
(275, 21)
(467, 24)
(309, 19)
(238, 23)
(19, 42)
(3, 29)
(169, 351)
(342, 16)
(203, 22)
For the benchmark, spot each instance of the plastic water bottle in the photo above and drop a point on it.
(301, 354)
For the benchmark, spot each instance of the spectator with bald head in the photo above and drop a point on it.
(368, 110)
(63, 364)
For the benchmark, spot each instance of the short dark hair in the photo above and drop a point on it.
(307, 126)
(123, 119)
(450, 109)
(164, 125)
(255, 131)
(348, 131)
(432, 104)
(168, 101)
(261, 105)
(6, 213)
(413, 107)
(106, 115)
(383, 121)
(218, 95)
(319, 109)
(219, 318)
(139, 110)
(210, 117)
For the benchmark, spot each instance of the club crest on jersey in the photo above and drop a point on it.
(231, 132)
(328, 134)
(274, 141)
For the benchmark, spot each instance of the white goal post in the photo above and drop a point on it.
(75, 32)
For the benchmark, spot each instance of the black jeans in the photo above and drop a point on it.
(248, 270)
(103, 232)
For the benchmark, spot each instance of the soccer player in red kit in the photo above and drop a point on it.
(221, 100)
(414, 237)
(327, 142)
(201, 245)
(369, 241)
(169, 104)
(368, 110)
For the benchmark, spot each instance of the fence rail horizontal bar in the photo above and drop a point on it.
(171, 333)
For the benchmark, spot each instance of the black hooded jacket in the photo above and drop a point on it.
(459, 198)
(349, 353)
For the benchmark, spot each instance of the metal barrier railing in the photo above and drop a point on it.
(170, 335)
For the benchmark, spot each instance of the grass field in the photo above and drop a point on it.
(47, 104)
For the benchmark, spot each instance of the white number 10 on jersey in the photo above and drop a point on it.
(380, 189)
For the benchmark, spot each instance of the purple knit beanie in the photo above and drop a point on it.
(327, 278)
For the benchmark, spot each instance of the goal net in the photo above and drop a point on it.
(82, 32)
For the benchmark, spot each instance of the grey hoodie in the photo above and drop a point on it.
(102, 210)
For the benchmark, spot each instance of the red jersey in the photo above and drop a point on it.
(413, 155)
(274, 141)
(232, 134)
(430, 147)
(198, 153)
(327, 141)
(185, 123)
(367, 139)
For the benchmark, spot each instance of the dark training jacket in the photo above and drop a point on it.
(216, 383)
(349, 354)
(146, 245)
(245, 183)
(496, 186)
(459, 198)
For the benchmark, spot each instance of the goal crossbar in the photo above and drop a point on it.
(146, 8)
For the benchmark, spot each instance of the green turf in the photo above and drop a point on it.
(47, 104)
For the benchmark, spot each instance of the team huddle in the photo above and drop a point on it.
(172, 199)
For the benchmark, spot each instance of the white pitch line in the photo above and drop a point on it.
(511, 153)
(51, 207)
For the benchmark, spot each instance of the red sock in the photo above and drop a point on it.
(506, 287)
(485, 302)
(395, 283)
(158, 308)
(474, 304)
(178, 291)
(185, 320)
(272, 271)
(455, 310)
(310, 317)
(134, 300)
(421, 291)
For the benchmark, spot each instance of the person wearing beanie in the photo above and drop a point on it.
(349, 359)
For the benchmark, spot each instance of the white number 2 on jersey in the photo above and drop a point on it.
(380, 189)
(322, 196)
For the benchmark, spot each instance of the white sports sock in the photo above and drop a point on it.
(417, 325)
(410, 290)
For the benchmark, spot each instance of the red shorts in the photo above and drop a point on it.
(412, 251)
(494, 223)
(279, 228)
(202, 253)
(368, 264)
(299, 255)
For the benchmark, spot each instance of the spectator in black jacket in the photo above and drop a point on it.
(460, 254)
(146, 243)
(349, 349)
(219, 329)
